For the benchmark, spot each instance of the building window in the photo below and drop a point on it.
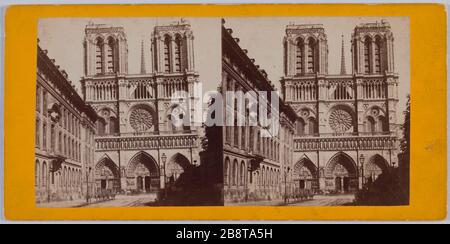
(37, 174)
(52, 138)
(38, 98)
(99, 56)
(242, 173)
(44, 175)
(367, 55)
(178, 48)
(226, 170)
(311, 56)
(37, 133)
(110, 55)
(167, 56)
(300, 54)
(44, 136)
(60, 148)
(44, 102)
(377, 56)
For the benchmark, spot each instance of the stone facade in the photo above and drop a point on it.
(145, 139)
(64, 136)
(256, 167)
(347, 130)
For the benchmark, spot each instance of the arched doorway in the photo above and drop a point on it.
(177, 165)
(143, 173)
(374, 167)
(306, 175)
(107, 175)
(341, 174)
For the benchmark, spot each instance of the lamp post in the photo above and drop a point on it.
(361, 161)
(163, 173)
(88, 172)
(286, 171)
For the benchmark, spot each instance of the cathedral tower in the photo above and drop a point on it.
(372, 48)
(172, 48)
(105, 50)
(306, 50)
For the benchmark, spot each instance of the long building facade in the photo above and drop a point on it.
(346, 130)
(145, 140)
(256, 167)
(64, 136)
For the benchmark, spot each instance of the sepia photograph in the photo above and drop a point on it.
(114, 125)
(147, 112)
(343, 113)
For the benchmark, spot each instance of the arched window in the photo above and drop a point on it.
(242, 173)
(235, 173)
(311, 56)
(384, 126)
(44, 175)
(367, 55)
(101, 126)
(371, 125)
(300, 56)
(38, 98)
(52, 138)
(300, 127)
(377, 55)
(37, 138)
(37, 174)
(226, 172)
(167, 55)
(99, 56)
(177, 52)
(44, 136)
(312, 127)
(111, 56)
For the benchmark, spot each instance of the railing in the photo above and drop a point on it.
(346, 143)
(153, 133)
(146, 142)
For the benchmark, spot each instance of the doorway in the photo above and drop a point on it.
(139, 184)
(302, 184)
(346, 184)
(338, 184)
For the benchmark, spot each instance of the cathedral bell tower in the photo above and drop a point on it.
(105, 50)
(306, 50)
(172, 48)
(372, 49)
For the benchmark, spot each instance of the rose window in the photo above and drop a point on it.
(340, 120)
(141, 120)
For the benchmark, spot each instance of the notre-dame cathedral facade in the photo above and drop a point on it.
(138, 147)
(347, 130)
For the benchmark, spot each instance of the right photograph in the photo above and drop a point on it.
(317, 111)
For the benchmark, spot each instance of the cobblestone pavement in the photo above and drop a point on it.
(126, 201)
(120, 201)
(338, 200)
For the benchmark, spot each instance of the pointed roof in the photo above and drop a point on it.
(143, 70)
(343, 68)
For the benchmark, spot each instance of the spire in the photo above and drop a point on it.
(343, 69)
(143, 71)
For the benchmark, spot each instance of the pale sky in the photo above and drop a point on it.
(63, 38)
(263, 37)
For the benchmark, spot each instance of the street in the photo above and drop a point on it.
(148, 199)
(321, 200)
(126, 201)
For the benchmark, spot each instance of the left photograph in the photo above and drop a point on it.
(119, 111)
